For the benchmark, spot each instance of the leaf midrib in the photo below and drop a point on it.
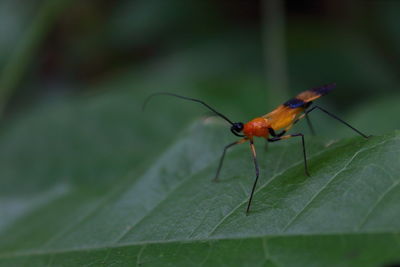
(29, 253)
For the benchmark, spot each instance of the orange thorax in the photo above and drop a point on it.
(257, 127)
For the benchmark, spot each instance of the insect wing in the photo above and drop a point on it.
(314, 93)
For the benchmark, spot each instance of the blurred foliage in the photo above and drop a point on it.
(73, 137)
(216, 45)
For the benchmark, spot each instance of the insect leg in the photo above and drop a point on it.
(253, 151)
(337, 118)
(310, 126)
(221, 161)
(275, 139)
(274, 134)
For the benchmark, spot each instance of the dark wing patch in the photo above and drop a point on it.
(294, 103)
(304, 99)
(323, 90)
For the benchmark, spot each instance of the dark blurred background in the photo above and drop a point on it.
(50, 50)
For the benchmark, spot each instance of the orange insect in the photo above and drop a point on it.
(267, 126)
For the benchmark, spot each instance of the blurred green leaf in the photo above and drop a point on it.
(19, 60)
(378, 116)
(82, 184)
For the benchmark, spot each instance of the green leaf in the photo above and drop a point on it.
(86, 187)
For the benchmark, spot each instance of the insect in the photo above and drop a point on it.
(282, 119)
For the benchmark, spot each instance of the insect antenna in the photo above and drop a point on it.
(189, 99)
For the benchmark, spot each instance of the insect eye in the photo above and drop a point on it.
(238, 126)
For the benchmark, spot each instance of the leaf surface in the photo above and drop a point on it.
(107, 200)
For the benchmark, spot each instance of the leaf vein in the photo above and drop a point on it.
(375, 205)
(257, 190)
(294, 218)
